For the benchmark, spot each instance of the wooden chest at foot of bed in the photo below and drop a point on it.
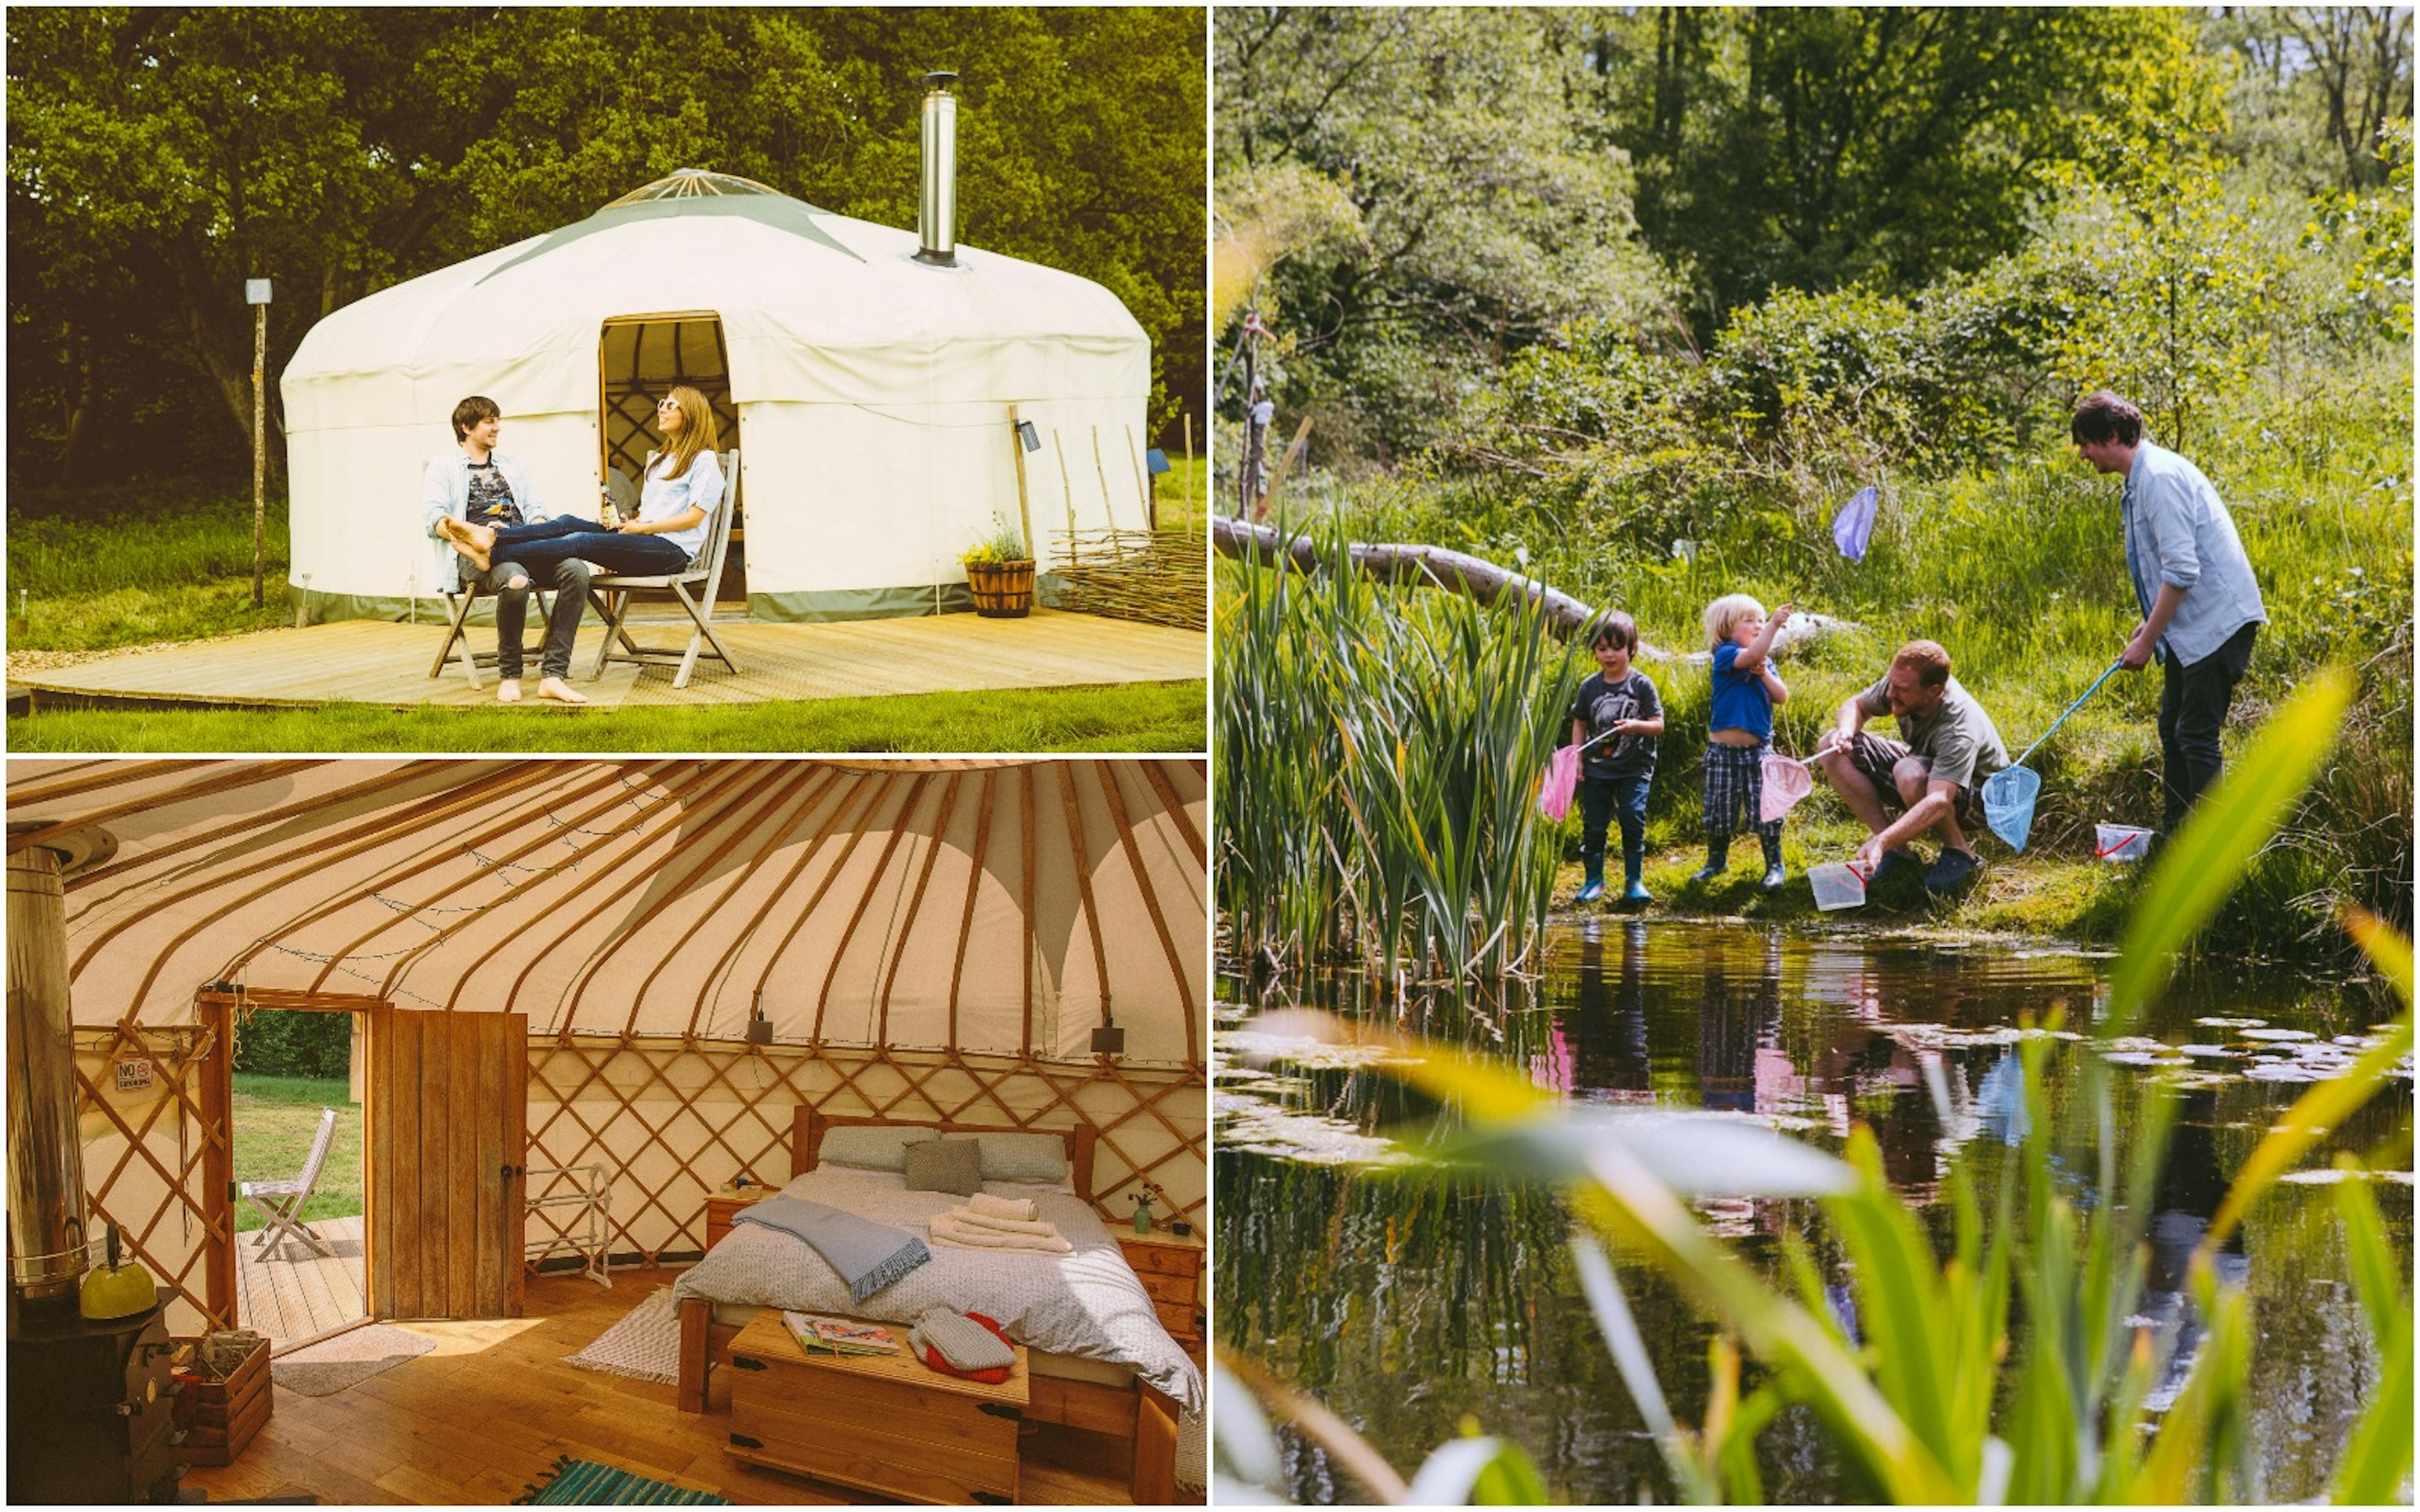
(883, 1422)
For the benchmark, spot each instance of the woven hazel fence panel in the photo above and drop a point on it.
(672, 1121)
(1160, 576)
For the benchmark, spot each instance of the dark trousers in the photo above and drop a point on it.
(1603, 798)
(2193, 707)
(570, 580)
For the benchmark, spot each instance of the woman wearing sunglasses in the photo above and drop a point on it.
(683, 487)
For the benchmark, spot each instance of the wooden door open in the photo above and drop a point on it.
(448, 1131)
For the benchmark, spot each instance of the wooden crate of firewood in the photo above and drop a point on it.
(227, 1377)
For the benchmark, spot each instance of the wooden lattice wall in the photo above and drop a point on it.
(152, 1159)
(672, 1121)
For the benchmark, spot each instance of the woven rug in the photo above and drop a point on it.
(585, 1483)
(327, 1367)
(643, 1345)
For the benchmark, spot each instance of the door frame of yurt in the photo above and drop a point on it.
(623, 439)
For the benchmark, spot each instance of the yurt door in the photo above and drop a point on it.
(448, 1128)
(640, 358)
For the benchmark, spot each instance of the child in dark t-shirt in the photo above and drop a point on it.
(1616, 717)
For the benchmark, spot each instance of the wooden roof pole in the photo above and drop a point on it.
(828, 782)
(915, 899)
(974, 884)
(1151, 902)
(881, 867)
(1025, 901)
(870, 788)
(1079, 851)
(1175, 811)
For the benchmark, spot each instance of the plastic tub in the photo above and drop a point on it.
(1837, 885)
(2120, 842)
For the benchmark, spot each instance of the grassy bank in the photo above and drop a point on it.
(97, 569)
(2017, 568)
(1128, 717)
(276, 1118)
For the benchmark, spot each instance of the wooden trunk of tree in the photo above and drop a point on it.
(1455, 572)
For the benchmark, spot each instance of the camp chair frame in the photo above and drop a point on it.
(281, 1202)
(458, 602)
(611, 592)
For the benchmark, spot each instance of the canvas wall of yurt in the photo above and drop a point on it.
(685, 955)
(866, 377)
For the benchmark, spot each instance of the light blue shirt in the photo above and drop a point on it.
(2178, 531)
(445, 490)
(662, 498)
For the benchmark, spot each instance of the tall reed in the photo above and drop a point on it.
(1379, 754)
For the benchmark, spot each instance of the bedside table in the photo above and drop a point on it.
(1170, 1268)
(724, 1205)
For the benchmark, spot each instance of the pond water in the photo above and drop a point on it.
(1410, 1304)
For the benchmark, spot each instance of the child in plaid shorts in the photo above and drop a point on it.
(1740, 731)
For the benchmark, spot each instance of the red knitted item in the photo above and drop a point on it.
(990, 1377)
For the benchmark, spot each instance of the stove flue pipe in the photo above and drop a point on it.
(46, 1238)
(937, 209)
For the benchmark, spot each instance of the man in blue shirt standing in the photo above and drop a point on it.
(2200, 605)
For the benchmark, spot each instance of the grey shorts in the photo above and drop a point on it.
(1875, 755)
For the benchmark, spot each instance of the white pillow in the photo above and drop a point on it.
(872, 1147)
(1023, 1157)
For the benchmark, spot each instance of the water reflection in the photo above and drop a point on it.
(1410, 1302)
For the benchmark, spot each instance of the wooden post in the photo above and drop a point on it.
(260, 448)
(1142, 488)
(1067, 485)
(1024, 510)
(1108, 516)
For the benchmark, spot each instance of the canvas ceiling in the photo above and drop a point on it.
(992, 908)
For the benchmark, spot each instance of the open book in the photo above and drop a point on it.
(820, 1333)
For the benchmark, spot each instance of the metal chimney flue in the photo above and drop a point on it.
(46, 1240)
(937, 212)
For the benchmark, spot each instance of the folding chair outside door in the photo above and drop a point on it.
(281, 1202)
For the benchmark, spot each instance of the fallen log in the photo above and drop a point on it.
(1456, 571)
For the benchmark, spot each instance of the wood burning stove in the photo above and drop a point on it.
(91, 1408)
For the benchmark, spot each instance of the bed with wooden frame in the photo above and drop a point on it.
(1134, 1413)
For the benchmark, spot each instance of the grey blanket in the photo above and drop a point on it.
(869, 1256)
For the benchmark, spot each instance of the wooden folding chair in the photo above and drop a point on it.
(281, 1202)
(612, 594)
(458, 602)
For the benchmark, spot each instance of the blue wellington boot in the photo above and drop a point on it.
(1633, 890)
(1592, 888)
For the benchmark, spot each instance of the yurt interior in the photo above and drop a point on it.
(637, 1062)
(640, 358)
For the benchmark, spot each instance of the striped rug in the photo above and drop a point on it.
(586, 1482)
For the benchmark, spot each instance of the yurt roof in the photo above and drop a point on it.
(777, 272)
(992, 907)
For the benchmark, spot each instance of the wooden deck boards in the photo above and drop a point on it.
(370, 661)
(291, 1293)
(483, 1413)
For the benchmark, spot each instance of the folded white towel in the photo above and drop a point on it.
(1006, 1225)
(948, 1229)
(1023, 1210)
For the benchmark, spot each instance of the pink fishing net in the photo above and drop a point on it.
(1563, 777)
(1785, 783)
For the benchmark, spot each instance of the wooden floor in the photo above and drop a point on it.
(372, 661)
(289, 1293)
(479, 1417)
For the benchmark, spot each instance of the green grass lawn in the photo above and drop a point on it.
(275, 1119)
(1126, 716)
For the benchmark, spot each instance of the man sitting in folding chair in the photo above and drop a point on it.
(477, 488)
(281, 1202)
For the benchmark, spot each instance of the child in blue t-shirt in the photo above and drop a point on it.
(1739, 731)
(1621, 705)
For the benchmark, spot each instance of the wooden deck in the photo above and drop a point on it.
(376, 662)
(291, 1294)
(483, 1413)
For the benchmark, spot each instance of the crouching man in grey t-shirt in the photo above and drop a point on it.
(1934, 776)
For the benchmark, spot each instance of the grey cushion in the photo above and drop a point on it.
(1023, 1157)
(961, 1340)
(954, 1165)
(870, 1147)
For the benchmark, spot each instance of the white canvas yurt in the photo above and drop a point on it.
(643, 980)
(865, 375)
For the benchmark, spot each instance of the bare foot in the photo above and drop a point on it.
(558, 691)
(509, 690)
(460, 536)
